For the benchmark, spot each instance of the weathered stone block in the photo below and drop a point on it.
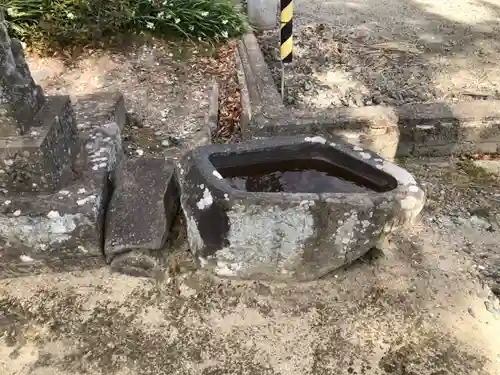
(20, 97)
(104, 108)
(63, 230)
(144, 203)
(291, 207)
(41, 160)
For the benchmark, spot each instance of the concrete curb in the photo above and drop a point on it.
(417, 129)
(210, 120)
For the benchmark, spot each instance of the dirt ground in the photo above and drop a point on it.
(419, 305)
(423, 304)
(166, 87)
(366, 52)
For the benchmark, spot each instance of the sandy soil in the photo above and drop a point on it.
(365, 52)
(415, 307)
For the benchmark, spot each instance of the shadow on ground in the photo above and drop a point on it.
(365, 53)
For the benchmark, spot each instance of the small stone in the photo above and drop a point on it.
(53, 215)
(25, 258)
(17, 213)
(471, 311)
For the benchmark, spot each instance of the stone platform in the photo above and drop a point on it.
(63, 230)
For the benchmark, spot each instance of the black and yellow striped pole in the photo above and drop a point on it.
(286, 37)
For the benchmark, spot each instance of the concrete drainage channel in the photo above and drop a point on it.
(288, 206)
(418, 129)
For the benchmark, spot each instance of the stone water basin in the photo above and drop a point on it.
(291, 207)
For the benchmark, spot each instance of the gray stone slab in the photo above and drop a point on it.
(63, 230)
(281, 235)
(142, 208)
(105, 109)
(420, 129)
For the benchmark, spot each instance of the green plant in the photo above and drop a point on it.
(22, 14)
(201, 19)
(76, 22)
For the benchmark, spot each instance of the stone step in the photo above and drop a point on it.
(140, 214)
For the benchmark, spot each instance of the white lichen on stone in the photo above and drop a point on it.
(206, 200)
(26, 258)
(365, 155)
(203, 261)
(425, 127)
(98, 208)
(65, 192)
(41, 231)
(82, 249)
(346, 232)
(53, 215)
(413, 188)
(193, 234)
(357, 148)
(226, 196)
(105, 151)
(351, 135)
(7, 202)
(306, 203)
(316, 139)
(217, 174)
(99, 159)
(81, 202)
(400, 174)
(409, 203)
(82, 191)
(17, 213)
(261, 237)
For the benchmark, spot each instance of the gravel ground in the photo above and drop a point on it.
(463, 198)
(363, 52)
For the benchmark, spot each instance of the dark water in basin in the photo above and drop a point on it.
(297, 176)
